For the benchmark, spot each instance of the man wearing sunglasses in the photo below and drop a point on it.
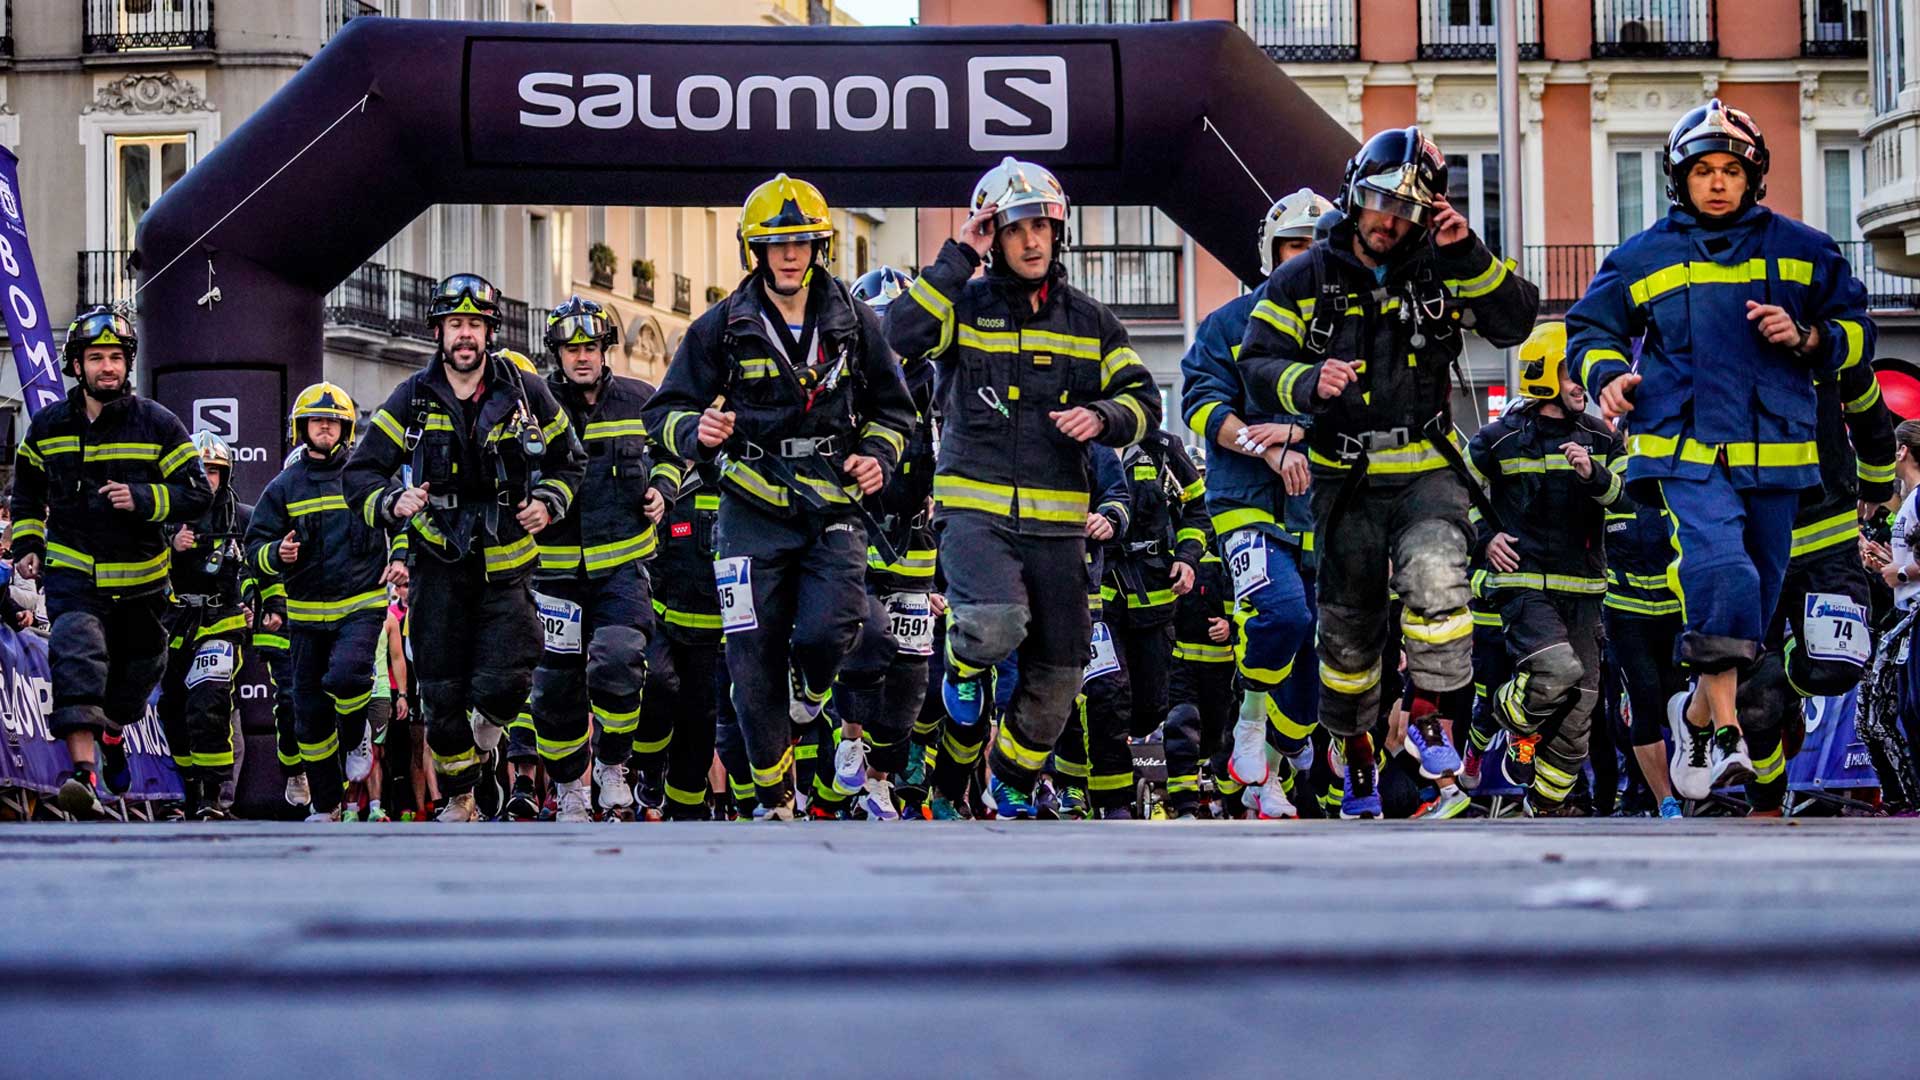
(473, 456)
(1364, 332)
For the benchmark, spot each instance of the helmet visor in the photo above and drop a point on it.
(581, 329)
(1046, 208)
(1369, 197)
(104, 328)
(471, 287)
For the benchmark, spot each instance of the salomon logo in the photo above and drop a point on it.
(713, 103)
(1017, 103)
(220, 415)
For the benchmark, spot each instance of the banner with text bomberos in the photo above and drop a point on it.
(28, 323)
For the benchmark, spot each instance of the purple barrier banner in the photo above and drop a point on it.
(1833, 756)
(31, 759)
(25, 308)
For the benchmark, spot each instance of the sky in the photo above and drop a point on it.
(881, 12)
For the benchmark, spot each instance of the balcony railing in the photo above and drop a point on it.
(1834, 28)
(119, 26)
(6, 30)
(342, 12)
(1886, 291)
(1464, 30)
(1562, 271)
(364, 300)
(412, 298)
(515, 330)
(1109, 11)
(105, 277)
(1654, 28)
(1304, 31)
(395, 303)
(1136, 281)
(683, 294)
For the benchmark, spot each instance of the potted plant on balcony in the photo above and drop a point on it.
(643, 273)
(600, 258)
(715, 294)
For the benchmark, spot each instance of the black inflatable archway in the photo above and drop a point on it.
(1170, 115)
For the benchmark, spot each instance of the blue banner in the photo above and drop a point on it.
(34, 355)
(31, 758)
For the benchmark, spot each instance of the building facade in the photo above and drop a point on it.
(1602, 82)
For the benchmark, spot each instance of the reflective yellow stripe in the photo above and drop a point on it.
(1566, 583)
(1009, 745)
(1047, 341)
(1796, 270)
(674, 420)
(617, 723)
(1197, 423)
(347, 706)
(1284, 387)
(504, 557)
(960, 493)
(1116, 362)
(1635, 606)
(162, 502)
(775, 776)
(1867, 399)
(750, 481)
(607, 556)
(706, 502)
(1111, 781)
(937, 306)
(1772, 767)
(176, 457)
(27, 451)
(323, 749)
(314, 506)
(132, 451)
(1203, 654)
(613, 429)
(384, 421)
(1739, 455)
(26, 527)
(875, 430)
(1683, 275)
(126, 575)
(59, 556)
(960, 753)
(1414, 458)
(1839, 529)
(262, 640)
(449, 765)
(1873, 474)
(758, 367)
(1856, 342)
(692, 620)
(1439, 631)
(65, 444)
(1481, 284)
(1596, 356)
(325, 611)
(1043, 504)
(1280, 319)
(1350, 682)
(229, 625)
(993, 341)
(555, 749)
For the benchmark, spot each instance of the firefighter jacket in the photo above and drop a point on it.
(1403, 331)
(212, 574)
(1241, 490)
(1714, 390)
(1854, 433)
(684, 596)
(60, 513)
(480, 461)
(1639, 550)
(1164, 525)
(1004, 367)
(607, 526)
(342, 558)
(1210, 598)
(1556, 519)
(795, 423)
(903, 509)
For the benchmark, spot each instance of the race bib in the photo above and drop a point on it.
(1246, 552)
(733, 580)
(1105, 660)
(560, 623)
(1836, 629)
(910, 622)
(213, 662)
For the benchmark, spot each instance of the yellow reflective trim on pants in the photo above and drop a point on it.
(216, 760)
(1439, 631)
(1200, 653)
(1551, 780)
(686, 798)
(1349, 682)
(653, 746)
(1010, 746)
(447, 766)
(775, 775)
(1565, 583)
(960, 753)
(504, 557)
(350, 705)
(693, 620)
(1286, 725)
(1739, 455)
(321, 750)
(1772, 767)
(1111, 781)
(617, 723)
(555, 749)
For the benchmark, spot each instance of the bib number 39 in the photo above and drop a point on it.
(1246, 552)
(1105, 659)
(733, 580)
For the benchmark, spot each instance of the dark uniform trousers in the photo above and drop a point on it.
(882, 688)
(108, 652)
(1205, 703)
(196, 691)
(332, 686)
(808, 575)
(477, 642)
(598, 666)
(685, 682)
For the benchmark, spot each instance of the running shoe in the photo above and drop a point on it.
(575, 802)
(1671, 810)
(1357, 767)
(1732, 764)
(945, 809)
(1516, 764)
(615, 793)
(1427, 737)
(877, 800)
(1269, 801)
(460, 808)
(965, 699)
(524, 803)
(360, 758)
(1248, 761)
(1073, 804)
(114, 769)
(298, 792)
(1692, 765)
(850, 767)
(1471, 764)
(1451, 802)
(1010, 804)
(78, 798)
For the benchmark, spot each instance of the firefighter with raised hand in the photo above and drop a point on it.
(1742, 311)
(1364, 332)
(95, 482)
(334, 567)
(1258, 498)
(592, 587)
(1030, 368)
(474, 457)
(208, 615)
(813, 420)
(1548, 469)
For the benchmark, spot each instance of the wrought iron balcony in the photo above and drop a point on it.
(1834, 28)
(1109, 11)
(105, 277)
(1304, 31)
(1137, 281)
(1464, 29)
(1669, 29)
(122, 26)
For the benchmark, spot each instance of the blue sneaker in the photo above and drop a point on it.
(1671, 810)
(945, 809)
(115, 771)
(1428, 739)
(1357, 766)
(1073, 803)
(1010, 804)
(964, 699)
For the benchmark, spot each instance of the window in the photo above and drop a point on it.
(141, 169)
(637, 228)
(1840, 168)
(1473, 187)
(1889, 54)
(455, 251)
(1639, 190)
(539, 260)
(596, 225)
(860, 256)
(1125, 225)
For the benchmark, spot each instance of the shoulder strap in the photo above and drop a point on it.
(1329, 306)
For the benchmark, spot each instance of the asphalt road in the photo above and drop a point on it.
(1540, 949)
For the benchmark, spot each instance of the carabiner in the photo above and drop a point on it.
(992, 398)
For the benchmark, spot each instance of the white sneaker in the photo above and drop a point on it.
(1269, 801)
(878, 801)
(615, 792)
(298, 792)
(460, 808)
(576, 803)
(1248, 762)
(1692, 765)
(850, 767)
(486, 731)
(360, 758)
(1732, 764)
(783, 812)
(1302, 759)
(319, 816)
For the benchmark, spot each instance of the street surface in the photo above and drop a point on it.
(1544, 949)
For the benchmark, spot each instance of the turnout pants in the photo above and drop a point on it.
(1274, 649)
(685, 685)
(1009, 594)
(196, 692)
(332, 686)
(1732, 546)
(1418, 533)
(808, 591)
(593, 660)
(1124, 705)
(1205, 703)
(882, 688)
(276, 652)
(1553, 641)
(476, 645)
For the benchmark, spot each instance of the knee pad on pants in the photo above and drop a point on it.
(1430, 571)
(1544, 690)
(981, 635)
(616, 661)
(1045, 697)
(499, 692)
